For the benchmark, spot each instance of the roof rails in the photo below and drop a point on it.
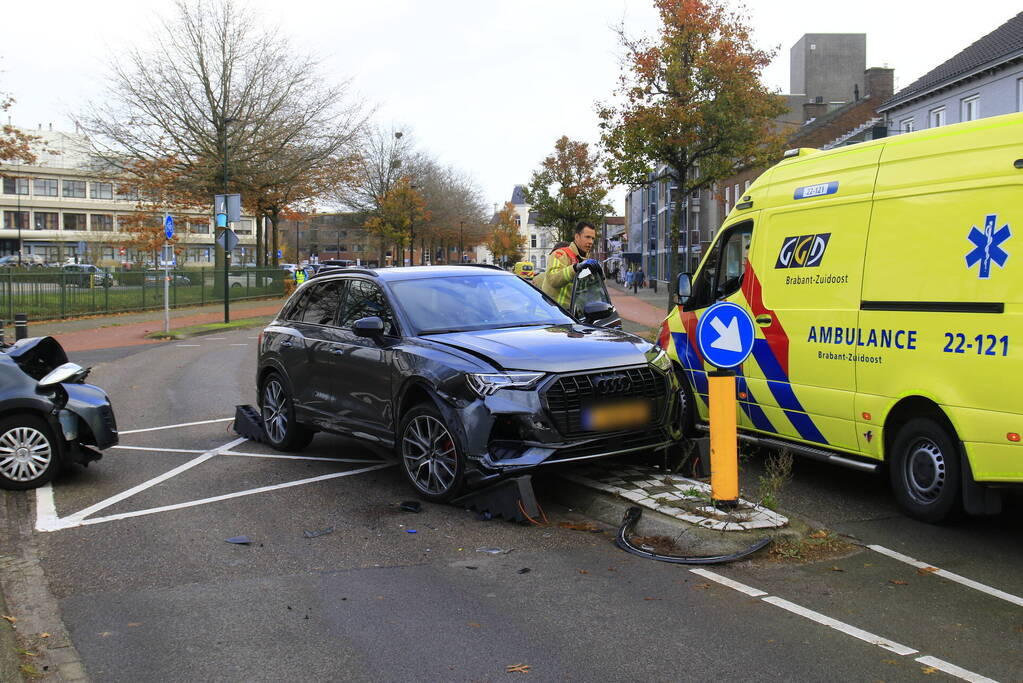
(326, 270)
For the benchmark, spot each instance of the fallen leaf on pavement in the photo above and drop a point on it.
(897, 582)
(653, 598)
(475, 625)
(7, 618)
(926, 570)
(579, 526)
(517, 668)
(44, 635)
(837, 569)
(929, 670)
(583, 571)
(821, 533)
(134, 624)
(106, 634)
(702, 586)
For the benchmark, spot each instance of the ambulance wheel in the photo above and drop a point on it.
(277, 408)
(687, 404)
(925, 471)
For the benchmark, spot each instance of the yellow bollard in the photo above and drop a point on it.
(724, 460)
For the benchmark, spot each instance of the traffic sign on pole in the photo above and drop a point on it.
(168, 226)
(725, 334)
(227, 240)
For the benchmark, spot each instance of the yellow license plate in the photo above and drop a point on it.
(606, 417)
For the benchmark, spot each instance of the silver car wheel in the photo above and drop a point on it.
(925, 471)
(428, 454)
(275, 407)
(25, 454)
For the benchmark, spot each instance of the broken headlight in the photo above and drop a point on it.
(486, 384)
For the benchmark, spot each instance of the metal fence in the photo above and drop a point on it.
(51, 293)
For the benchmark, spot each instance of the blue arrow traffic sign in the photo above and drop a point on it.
(725, 334)
(168, 226)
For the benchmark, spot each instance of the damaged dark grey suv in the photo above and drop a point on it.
(469, 373)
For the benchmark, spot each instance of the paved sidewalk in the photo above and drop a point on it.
(131, 329)
(644, 307)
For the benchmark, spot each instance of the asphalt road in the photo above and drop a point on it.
(137, 571)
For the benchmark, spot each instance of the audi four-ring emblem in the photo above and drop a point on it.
(613, 384)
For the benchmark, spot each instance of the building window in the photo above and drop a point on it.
(46, 220)
(199, 227)
(15, 219)
(128, 193)
(15, 185)
(102, 222)
(728, 199)
(44, 187)
(74, 188)
(532, 241)
(518, 221)
(746, 187)
(736, 197)
(907, 125)
(75, 221)
(971, 108)
(937, 117)
(243, 227)
(101, 191)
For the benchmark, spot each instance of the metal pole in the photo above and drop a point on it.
(461, 249)
(227, 252)
(166, 288)
(17, 191)
(20, 326)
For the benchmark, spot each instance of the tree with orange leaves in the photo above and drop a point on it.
(398, 212)
(505, 242)
(15, 145)
(691, 103)
(579, 189)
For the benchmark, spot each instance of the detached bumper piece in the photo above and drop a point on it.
(632, 516)
(512, 499)
(249, 423)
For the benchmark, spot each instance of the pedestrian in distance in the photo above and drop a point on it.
(637, 280)
(566, 263)
(629, 275)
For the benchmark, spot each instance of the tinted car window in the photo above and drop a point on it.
(476, 302)
(322, 303)
(365, 300)
(298, 306)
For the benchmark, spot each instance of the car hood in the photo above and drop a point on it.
(553, 348)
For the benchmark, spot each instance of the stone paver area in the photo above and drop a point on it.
(684, 499)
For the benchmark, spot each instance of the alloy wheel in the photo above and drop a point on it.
(275, 407)
(429, 454)
(25, 453)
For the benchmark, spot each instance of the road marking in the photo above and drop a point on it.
(112, 500)
(970, 583)
(46, 510)
(725, 581)
(238, 345)
(193, 345)
(281, 456)
(159, 450)
(954, 670)
(183, 424)
(841, 626)
(226, 496)
(216, 338)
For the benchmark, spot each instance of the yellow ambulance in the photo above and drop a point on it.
(886, 282)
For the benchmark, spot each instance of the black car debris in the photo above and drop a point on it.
(49, 416)
(467, 372)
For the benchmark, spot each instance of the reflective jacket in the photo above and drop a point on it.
(557, 282)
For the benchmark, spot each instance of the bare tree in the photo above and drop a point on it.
(230, 99)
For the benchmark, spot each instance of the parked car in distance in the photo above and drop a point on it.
(467, 371)
(48, 415)
(156, 277)
(26, 261)
(236, 279)
(85, 275)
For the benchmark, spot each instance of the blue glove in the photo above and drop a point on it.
(588, 263)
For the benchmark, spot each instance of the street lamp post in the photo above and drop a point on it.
(227, 254)
(17, 191)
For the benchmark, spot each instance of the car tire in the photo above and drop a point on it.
(925, 471)
(431, 457)
(688, 413)
(29, 456)
(277, 408)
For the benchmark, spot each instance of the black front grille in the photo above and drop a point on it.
(570, 395)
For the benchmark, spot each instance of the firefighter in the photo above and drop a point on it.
(566, 263)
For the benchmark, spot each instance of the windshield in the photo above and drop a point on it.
(474, 302)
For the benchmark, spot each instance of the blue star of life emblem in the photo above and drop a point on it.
(987, 246)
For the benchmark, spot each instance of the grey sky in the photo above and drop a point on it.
(487, 85)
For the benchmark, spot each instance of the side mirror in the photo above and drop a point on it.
(595, 310)
(371, 328)
(684, 290)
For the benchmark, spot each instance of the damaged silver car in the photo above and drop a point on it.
(49, 416)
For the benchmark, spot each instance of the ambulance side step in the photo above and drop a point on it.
(805, 451)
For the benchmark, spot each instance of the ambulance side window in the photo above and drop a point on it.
(723, 270)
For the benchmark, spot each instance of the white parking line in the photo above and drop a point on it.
(954, 670)
(183, 424)
(189, 345)
(281, 456)
(970, 583)
(76, 518)
(226, 496)
(238, 345)
(725, 581)
(845, 628)
(159, 450)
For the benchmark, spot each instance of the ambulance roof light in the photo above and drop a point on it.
(798, 152)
